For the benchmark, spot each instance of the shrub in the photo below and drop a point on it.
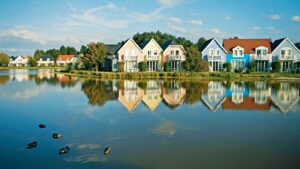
(167, 66)
(276, 66)
(121, 66)
(252, 67)
(142, 66)
(227, 66)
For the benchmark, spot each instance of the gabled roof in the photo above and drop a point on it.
(249, 45)
(278, 42)
(152, 39)
(168, 43)
(112, 49)
(203, 47)
(65, 57)
(247, 104)
(45, 57)
(130, 39)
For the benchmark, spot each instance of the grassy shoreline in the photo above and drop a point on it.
(30, 68)
(183, 75)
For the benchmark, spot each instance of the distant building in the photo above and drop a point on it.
(19, 61)
(46, 61)
(63, 60)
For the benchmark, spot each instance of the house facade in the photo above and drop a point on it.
(63, 60)
(153, 55)
(129, 55)
(46, 61)
(242, 51)
(111, 60)
(213, 52)
(19, 61)
(286, 53)
(174, 55)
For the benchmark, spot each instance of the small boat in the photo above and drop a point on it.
(56, 135)
(42, 126)
(107, 150)
(64, 150)
(32, 145)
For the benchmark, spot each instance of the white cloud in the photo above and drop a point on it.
(176, 20)
(24, 34)
(256, 28)
(168, 3)
(195, 22)
(215, 30)
(71, 7)
(227, 18)
(296, 18)
(274, 17)
(178, 29)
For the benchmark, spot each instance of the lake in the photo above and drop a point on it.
(147, 124)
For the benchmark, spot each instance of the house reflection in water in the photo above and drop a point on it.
(131, 95)
(152, 94)
(285, 96)
(215, 95)
(173, 94)
(245, 98)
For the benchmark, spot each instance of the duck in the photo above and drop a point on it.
(32, 145)
(64, 150)
(42, 126)
(56, 135)
(107, 150)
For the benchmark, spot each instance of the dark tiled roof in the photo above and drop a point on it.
(205, 44)
(276, 43)
(44, 58)
(112, 49)
(168, 43)
(249, 45)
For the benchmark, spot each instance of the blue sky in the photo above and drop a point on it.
(39, 24)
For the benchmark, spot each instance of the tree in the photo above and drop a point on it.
(31, 61)
(52, 52)
(83, 50)
(276, 66)
(227, 66)
(95, 56)
(143, 66)
(200, 42)
(63, 50)
(4, 59)
(252, 66)
(38, 54)
(194, 61)
(71, 51)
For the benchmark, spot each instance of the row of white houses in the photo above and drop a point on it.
(62, 60)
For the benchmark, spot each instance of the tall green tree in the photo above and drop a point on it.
(200, 42)
(71, 51)
(4, 59)
(95, 56)
(194, 61)
(83, 50)
(63, 50)
(38, 54)
(53, 52)
(31, 61)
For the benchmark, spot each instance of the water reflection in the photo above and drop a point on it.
(227, 95)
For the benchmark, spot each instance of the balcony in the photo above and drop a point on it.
(214, 57)
(128, 58)
(286, 57)
(177, 57)
(261, 57)
(152, 57)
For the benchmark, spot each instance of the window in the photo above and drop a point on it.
(177, 52)
(172, 52)
(149, 52)
(211, 52)
(155, 52)
(235, 52)
(132, 52)
(217, 52)
(240, 52)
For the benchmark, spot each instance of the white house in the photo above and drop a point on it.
(46, 61)
(19, 61)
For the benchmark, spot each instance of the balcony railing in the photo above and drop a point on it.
(261, 57)
(152, 57)
(286, 57)
(131, 58)
(177, 57)
(214, 57)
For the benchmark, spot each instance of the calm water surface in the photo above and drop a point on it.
(148, 124)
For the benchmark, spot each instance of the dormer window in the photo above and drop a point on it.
(217, 52)
(261, 51)
(238, 51)
(177, 52)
